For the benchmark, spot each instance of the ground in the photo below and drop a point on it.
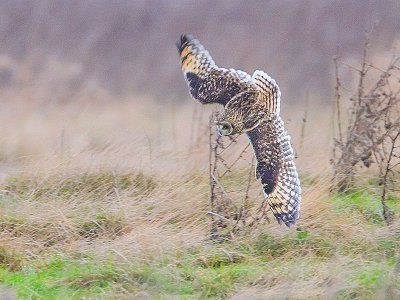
(100, 213)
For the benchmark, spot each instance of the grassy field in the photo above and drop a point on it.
(111, 201)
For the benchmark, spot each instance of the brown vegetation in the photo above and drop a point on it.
(372, 135)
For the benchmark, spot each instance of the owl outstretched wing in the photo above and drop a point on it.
(207, 82)
(276, 169)
(259, 96)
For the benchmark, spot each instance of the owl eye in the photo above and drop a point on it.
(225, 128)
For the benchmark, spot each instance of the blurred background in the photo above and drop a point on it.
(60, 50)
(81, 77)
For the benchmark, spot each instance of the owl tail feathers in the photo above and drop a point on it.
(269, 89)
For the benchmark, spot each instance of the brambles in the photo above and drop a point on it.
(236, 200)
(372, 135)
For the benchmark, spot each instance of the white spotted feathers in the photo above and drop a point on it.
(251, 106)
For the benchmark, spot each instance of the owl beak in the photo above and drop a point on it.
(219, 129)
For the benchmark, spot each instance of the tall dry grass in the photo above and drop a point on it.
(84, 143)
(129, 178)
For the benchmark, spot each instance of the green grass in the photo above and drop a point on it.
(366, 203)
(60, 279)
(210, 271)
(320, 257)
(69, 279)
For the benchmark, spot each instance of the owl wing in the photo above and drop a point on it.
(269, 92)
(276, 169)
(207, 82)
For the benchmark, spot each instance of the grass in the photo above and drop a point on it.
(64, 278)
(270, 261)
(117, 212)
(190, 277)
(61, 279)
(365, 202)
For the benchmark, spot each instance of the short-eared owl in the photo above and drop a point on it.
(251, 105)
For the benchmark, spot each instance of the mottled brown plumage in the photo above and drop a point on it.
(251, 105)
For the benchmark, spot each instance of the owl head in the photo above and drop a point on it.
(229, 122)
(237, 120)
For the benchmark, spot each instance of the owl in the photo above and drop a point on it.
(251, 106)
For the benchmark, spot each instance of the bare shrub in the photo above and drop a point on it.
(234, 196)
(372, 135)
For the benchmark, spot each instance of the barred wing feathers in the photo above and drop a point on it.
(207, 82)
(276, 169)
(269, 91)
